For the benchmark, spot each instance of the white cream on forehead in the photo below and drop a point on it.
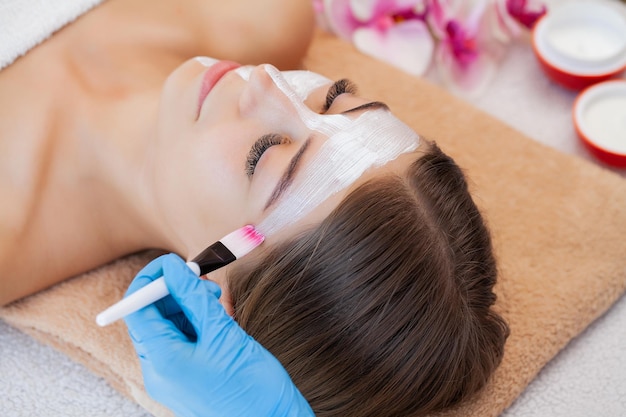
(372, 139)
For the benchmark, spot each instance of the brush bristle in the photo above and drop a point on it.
(242, 240)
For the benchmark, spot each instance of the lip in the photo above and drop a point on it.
(211, 77)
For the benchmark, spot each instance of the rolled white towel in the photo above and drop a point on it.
(24, 24)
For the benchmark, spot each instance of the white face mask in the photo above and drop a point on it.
(302, 83)
(371, 140)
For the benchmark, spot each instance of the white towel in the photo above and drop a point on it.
(24, 24)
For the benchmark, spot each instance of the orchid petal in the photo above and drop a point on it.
(368, 11)
(503, 27)
(484, 31)
(467, 80)
(437, 18)
(475, 15)
(470, 12)
(407, 45)
(394, 6)
(340, 18)
(363, 10)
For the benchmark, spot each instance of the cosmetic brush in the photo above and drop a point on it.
(232, 246)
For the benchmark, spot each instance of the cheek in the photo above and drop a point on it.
(216, 179)
(179, 95)
(200, 183)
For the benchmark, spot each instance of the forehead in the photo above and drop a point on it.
(310, 88)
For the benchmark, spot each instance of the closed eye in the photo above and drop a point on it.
(259, 147)
(338, 88)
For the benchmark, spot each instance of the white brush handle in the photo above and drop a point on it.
(138, 300)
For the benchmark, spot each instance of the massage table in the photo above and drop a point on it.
(585, 374)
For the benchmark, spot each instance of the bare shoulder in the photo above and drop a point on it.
(274, 31)
(246, 31)
(23, 154)
(25, 117)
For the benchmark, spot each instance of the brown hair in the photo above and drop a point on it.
(384, 308)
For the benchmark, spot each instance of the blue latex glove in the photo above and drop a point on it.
(196, 359)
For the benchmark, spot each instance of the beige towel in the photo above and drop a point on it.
(558, 226)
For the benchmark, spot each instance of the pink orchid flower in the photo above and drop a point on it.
(465, 37)
(465, 57)
(391, 30)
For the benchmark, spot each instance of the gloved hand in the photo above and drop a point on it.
(196, 359)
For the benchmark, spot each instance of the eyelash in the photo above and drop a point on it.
(260, 146)
(338, 88)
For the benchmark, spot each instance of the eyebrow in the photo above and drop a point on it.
(287, 178)
(368, 106)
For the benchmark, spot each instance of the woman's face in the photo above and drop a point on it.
(234, 143)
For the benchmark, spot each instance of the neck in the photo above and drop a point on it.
(120, 84)
(109, 133)
(114, 163)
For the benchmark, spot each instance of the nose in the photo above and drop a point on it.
(262, 94)
(269, 98)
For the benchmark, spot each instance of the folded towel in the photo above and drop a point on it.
(24, 24)
(558, 225)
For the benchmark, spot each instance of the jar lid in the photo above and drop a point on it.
(600, 119)
(581, 39)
